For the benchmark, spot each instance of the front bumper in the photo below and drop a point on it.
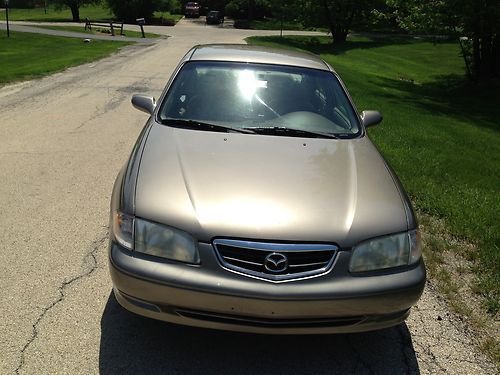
(210, 296)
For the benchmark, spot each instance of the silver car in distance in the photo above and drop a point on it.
(254, 201)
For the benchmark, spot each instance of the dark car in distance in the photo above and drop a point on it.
(214, 17)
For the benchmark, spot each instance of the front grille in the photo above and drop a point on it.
(275, 261)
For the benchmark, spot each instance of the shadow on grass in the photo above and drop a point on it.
(451, 95)
(323, 44)
(133, 344)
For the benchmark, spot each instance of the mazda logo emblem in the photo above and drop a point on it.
(276, 262)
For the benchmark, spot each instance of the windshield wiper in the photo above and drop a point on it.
(292, 132)
(200, 125)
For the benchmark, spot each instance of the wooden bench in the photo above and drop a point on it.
(111, 25)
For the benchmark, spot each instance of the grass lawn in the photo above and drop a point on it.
(440, 133)
(275, 24)
(167, 15)
(93, 12)
(26, 55)
(81, 29)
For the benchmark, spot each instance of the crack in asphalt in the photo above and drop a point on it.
(118, 96)
(89, 263)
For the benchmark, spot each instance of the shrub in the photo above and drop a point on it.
(130, 10)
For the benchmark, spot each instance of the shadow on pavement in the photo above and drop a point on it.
(133, 344)
(228, 23)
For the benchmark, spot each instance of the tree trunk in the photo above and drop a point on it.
(476, 57)
(340, 34)
(496, 57)
(75, 12)
(486, 58)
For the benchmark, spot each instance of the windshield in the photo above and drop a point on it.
(260, 97)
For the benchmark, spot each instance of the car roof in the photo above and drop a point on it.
(256, 54)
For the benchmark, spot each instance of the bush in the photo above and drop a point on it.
(172, 6)
(235, 9)
(130, 10)
(238, 9)
(241, 24)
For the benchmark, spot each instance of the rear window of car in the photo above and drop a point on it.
(245, 95)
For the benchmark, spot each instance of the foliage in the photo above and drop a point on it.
(130, 10)
(476, 21)
(214, 4)
(249, 9)
(20, 4)
(50, 14)
(172, 6)
(339, 15)
(74, 6)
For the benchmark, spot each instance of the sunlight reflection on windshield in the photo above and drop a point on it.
(248, 83)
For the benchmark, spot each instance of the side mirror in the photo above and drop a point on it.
(144, 103)
(370, 118)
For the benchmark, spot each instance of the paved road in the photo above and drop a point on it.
(62, 141)
(33, 29)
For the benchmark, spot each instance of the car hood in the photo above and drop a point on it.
(267, 187)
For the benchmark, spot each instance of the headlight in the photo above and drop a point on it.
(154, 239)
(165, 242)
(123, 229)
(386, 252)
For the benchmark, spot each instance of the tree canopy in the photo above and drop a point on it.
(130, 10)
(74, 6)
(338, 15)
(476, 23)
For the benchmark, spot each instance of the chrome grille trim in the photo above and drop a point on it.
(241, 261)
(317, 259)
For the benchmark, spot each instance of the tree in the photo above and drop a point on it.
(74, 6)
(130, 10)
(338, 15)
(475, 22)
(249, 9)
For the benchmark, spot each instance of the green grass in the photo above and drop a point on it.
(26, 55)
(81, 29)
(93, 12)
(440, 133)
(167, 15)
(275, 24)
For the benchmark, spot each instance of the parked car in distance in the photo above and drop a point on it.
(214, 17)
(192, 9)
(254, 201)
